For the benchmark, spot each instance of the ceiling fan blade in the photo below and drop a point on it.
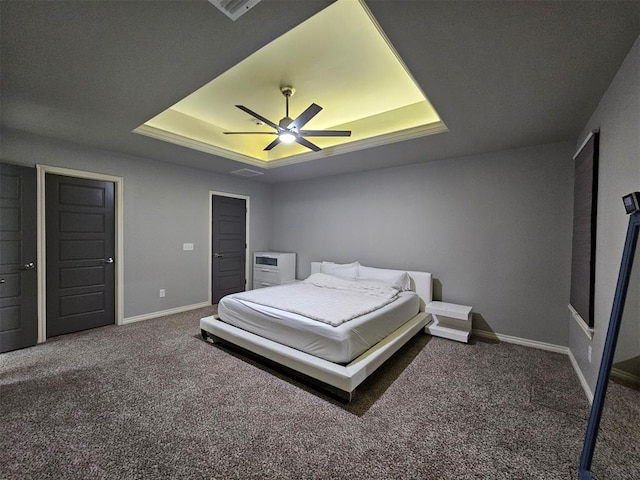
(259, 117)
(273, 144)
(325, 133)
(307, 143)
(250, 133)
(305, 116)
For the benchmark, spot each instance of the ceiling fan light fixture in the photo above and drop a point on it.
(287, 137)
(289, 130)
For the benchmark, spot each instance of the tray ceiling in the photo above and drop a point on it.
(500, 74)
(353, 72)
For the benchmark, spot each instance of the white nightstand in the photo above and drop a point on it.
(273, 268)
(449, 321)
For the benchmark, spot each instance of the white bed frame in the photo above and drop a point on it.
(343, 378)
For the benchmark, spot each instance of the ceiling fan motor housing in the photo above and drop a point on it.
(285, 122)
(287, 91)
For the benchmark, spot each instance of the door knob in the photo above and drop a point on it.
(27, 266)
(1, 280)
(108, 260)
(218, 255)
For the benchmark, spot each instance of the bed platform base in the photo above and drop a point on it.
(330, 390)
(342, 380)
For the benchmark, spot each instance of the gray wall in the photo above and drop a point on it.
(164, 207)
(494, 229)
(618, 118)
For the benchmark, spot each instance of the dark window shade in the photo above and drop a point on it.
(585, 195)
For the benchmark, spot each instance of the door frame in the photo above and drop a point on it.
(42, 170)
(247, 265)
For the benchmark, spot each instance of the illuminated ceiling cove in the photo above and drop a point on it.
(352, 72)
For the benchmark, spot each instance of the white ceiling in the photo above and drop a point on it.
(500, 74)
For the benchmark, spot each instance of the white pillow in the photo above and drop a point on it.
(342, 270)
(397, 279)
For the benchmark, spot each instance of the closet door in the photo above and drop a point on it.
(228, 258)
(18, 268)
(80, 232)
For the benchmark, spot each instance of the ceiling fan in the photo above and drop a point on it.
(288, 130)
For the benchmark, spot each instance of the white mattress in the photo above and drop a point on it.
(339, 344)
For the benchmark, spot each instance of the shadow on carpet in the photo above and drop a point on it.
(367, 393)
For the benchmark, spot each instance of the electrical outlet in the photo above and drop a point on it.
(589, 353)
(163, 294)
(187, 246)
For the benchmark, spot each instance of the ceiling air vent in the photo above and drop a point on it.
(234, 8)
(247, 172)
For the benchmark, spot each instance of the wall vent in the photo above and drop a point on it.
(247, 172)
(234, 8)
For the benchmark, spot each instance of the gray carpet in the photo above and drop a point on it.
(617, 453)
(152, 400)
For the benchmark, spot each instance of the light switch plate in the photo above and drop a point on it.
(187, 246)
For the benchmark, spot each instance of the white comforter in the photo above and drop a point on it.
(324, 298)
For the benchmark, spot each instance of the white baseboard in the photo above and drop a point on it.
(521, 341)
(625, 376)
(542, 346)
(162, 313)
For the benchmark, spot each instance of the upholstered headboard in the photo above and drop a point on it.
(420, 282)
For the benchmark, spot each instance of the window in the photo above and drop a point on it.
(585, 196)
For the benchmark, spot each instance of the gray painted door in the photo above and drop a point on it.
(18, 277)
(80, 234)
(228, 258)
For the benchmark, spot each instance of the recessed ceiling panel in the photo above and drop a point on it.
(351, 71)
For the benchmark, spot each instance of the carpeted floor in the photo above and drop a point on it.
(617, 453)
(152, 400)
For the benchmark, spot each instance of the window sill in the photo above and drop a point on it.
(581, 323)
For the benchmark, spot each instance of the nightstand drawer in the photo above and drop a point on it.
(266, 275)
(258, 284)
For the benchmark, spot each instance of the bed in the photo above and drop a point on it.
(339, 348)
